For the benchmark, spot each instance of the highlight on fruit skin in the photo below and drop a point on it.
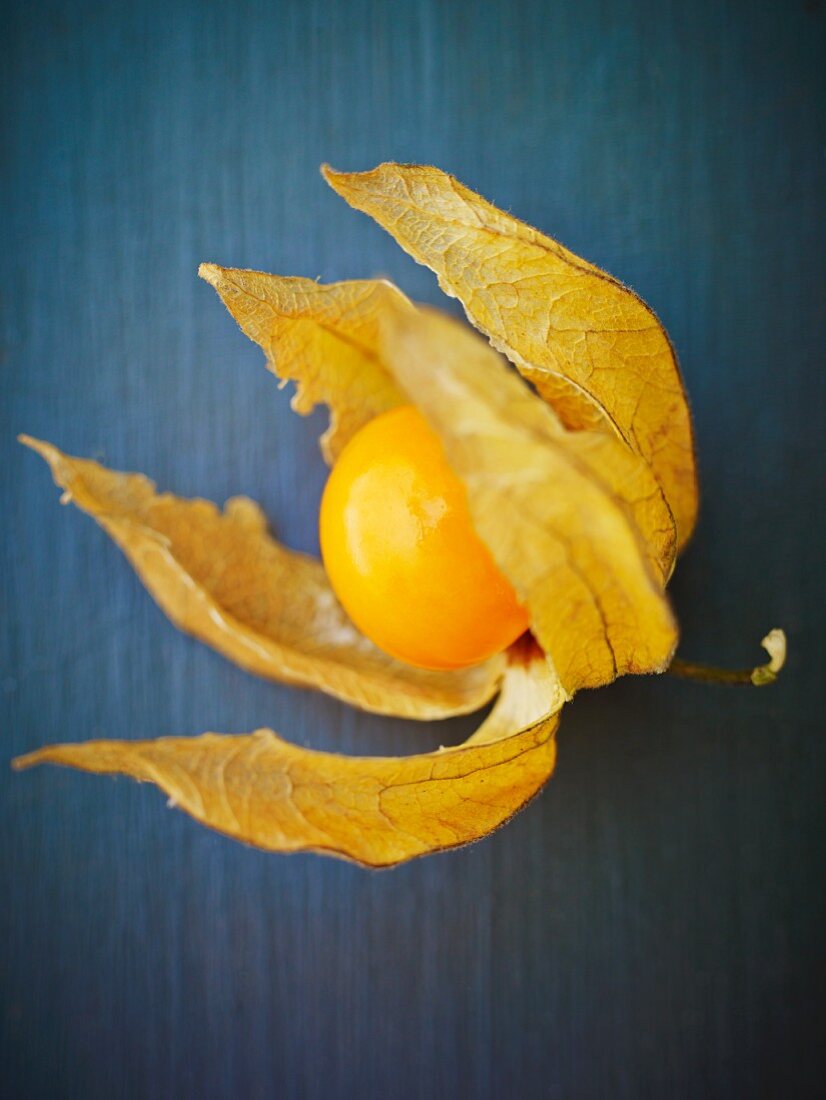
(564, 504)
(401, 552)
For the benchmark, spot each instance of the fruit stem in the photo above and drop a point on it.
(774, 644)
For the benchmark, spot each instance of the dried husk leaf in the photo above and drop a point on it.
(377, 811)
(327, 339)
(322, 337)
(591, 347)
(222, 577)
(559, 531)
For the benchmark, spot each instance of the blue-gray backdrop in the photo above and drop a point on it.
(651, 926)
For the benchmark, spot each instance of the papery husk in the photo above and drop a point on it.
(590, 345)
(221, 576)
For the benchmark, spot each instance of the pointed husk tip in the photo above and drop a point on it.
(210, 273)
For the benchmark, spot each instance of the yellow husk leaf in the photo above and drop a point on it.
(591, 347)
(323, 338)
(327, 339)
(377, 811)
(221, 577)
(558, 530)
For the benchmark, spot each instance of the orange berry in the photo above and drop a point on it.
(401, 552)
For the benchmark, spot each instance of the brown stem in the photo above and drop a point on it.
(708, 674)
(775, 645)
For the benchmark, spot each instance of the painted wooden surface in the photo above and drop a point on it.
(653, 925)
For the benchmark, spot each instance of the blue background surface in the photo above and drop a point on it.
(652, 925)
